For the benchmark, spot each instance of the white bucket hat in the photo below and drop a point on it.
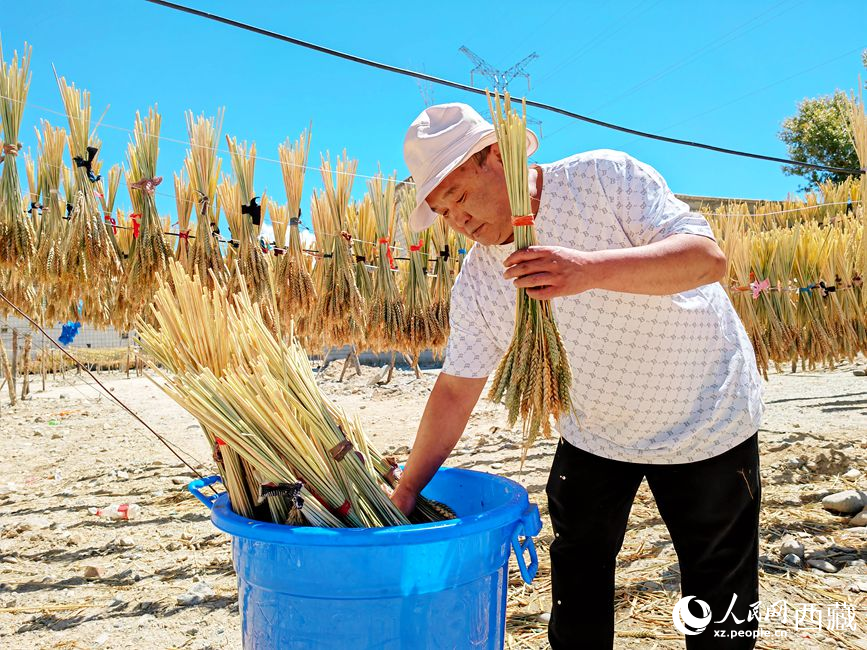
(439, 141)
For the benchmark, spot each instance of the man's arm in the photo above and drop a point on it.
(445, 416)
(677, 263)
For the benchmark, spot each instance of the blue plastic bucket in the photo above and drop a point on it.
(439, 585)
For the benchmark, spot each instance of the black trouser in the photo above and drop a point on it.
(711, 509)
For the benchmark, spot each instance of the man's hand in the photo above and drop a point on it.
(404, 500)
(677, 263)
(448, 408)
(552, 271)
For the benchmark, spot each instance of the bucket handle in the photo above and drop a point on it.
(529, 525)
(196, 486)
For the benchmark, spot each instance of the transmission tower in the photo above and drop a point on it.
(500, 79)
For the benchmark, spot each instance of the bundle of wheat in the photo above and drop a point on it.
(534, 377)
(256, 392)
(90, 255)
(248, 263)
(422, 327)
(296, 296)
(386, 316)
(339, 310)
(363, 227)
(443, 278)
(203, 169)
(149, 252)
(857, 118)
(17, 238)
(48, 266)
(185, 201)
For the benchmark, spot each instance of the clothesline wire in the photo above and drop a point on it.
(186, 143)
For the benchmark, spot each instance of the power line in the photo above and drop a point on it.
(478, 91)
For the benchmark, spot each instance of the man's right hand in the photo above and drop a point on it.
(445, 416)
(404, 500)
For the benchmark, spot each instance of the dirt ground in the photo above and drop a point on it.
(165, 578)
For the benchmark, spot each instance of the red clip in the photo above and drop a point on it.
(417, 247)
(525, 220)
(384, 240)
(136, 225)
(110, 219)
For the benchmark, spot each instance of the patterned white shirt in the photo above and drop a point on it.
(656, 379)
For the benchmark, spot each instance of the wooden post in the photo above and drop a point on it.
(390, 367)
(7, 371)
(128, 344)
(25, 365)
(14, 382)
(43, 366)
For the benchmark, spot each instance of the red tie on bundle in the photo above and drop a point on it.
(185, 235)
(417, 247)
(525, 220)
(110, 219)
(136, 226)
(391, 264)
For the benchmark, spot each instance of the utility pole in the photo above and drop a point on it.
(500, 79)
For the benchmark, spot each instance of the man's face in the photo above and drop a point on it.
(473, 200)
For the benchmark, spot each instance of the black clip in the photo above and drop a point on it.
(87, 164)
(254, 210)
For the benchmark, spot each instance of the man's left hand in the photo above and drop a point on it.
(551, 271)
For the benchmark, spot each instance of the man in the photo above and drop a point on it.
(665, 383)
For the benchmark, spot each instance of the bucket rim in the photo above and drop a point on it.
(505, 514)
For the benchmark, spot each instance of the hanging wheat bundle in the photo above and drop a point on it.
(185, 202)
(203, 169)
(422, 328)
(248, 263)
(17, 238)
(857, 118)
(297, 297)
(460, 246)
(441, 283)
(106, 192)
(362, 225)
(149, 252)
(257, 393)
(90, 255)
(534, 377)
(386, 316)
(48, 263)
(339, 308)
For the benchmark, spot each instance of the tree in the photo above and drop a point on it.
(819, 134)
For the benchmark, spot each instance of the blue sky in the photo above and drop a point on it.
(725, 73)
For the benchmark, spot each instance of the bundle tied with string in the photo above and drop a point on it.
(203, 169)
(857, 120)
(47, 266)
(296, 296)
(91, 257)
(441, 283)
(422, 327)
(185, 201)
(248, 263)
(534, 378)
(17, 237)
(339, 313)
(149, 253)
(362, 225)
(255, 392)
(386, 315)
